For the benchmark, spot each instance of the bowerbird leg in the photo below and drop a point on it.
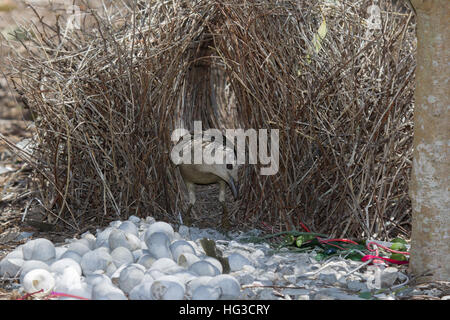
(225, 220)
(187, 216)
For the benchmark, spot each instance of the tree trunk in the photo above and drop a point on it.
(429, 186)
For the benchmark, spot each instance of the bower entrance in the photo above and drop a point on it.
(207, 97)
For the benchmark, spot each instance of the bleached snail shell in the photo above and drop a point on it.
(194, 283)
(111, 269)
(130, 277)
(146, 260)
(79, 247)
(163, 264)
(120, 238)
(60, 265)
(237, 261)
(71, 282)
(180, 246)
(97, 259)
(95, 278)
(160, 226)
(129, 227)
(168, 288)
(154, 273)
(142, 291)
(134, 219)
(10, 267)
(158, 245)
(38, 279)
(39, 249)
(186, 259)
(184, 275)
(203, 292)
(215, 263)
(11, 264)
(103, 237)
(91, 240)
(105, 291)
(32, 265)
(228, 284)
(204, 268)
(71, 255)
(59, 251)
(138, 253)
(122, 255)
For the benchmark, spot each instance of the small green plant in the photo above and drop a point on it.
(6, 6)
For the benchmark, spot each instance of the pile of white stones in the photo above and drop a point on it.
(147, 260)
(138, 259)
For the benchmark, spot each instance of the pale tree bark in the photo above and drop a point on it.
(429, 186)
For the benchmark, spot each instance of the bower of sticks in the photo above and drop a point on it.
(336, 78)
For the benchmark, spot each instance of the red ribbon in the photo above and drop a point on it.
(369, 257)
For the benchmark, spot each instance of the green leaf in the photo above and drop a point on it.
(398, 246)
(399, 240)
(299, 241)
(398, 256)
(319, 256)
(289, 240)
(366, 295)
(355, 256)
(322, 31)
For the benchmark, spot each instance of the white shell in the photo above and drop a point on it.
(186, 259)
(180, 246)
(146, 260)
(122, 255)
(71, 255)
(130, 277)
(39, 279)
(142, 291)
(97, 278)
(97, 259)
(60, 265)
(237, 261)
(11, 264)
(160, 226)
(79, 247)
(134, 219)
(203, 292)
(228, 284)
(163, 264)
(154, 274)
(120, 238)
(105, 291)
(29, 265)
(184, 275)
(168, 288)
(90, 239)
(39, 249)
(216, 263)
(204, 268)
(102, 238)
(129, 227)
(70, 282)
(196, 282)
(158, 245)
